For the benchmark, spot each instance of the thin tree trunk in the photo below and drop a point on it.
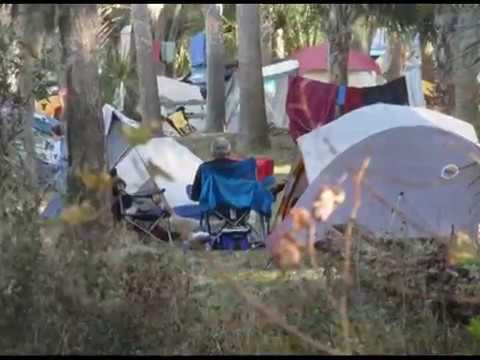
(465, 68)
(267, 38)
(32, 37)
(466, 96)
(428, 67)
(82, 113)
(254, 128)
(147, 79)
(339, 38)
(278, 45)
(445, 20)
(160, 33)
(215, 70)
(397, 62)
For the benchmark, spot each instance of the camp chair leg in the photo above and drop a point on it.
(169, 232)
(147, 231)
(269, 263)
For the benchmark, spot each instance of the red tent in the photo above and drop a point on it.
(315, 58)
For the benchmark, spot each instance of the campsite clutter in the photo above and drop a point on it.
(335, 127)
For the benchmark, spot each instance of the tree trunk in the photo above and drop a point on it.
(397, 53)
(266, 36)
(339, 37)
(215, 70)
(278, 45)
(428, 69)
(466, 96)
(147, 79)
(465, 68)
(82, 113)
(131, 104)
(32, 29)
(445, 20)
(362, 35)
(160, 32)
(254, 128)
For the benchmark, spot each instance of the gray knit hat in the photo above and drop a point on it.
(220, 148)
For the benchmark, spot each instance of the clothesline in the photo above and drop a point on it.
(311, 103)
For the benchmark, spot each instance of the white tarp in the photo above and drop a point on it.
(125, 41)
(175, 93)
(108, 110)
(163, 153)
(413, 78)
(355, 78)
(320, 146)
(168, 155)
(379, 42)
(275, 82)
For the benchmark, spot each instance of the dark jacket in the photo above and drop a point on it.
(197, 183)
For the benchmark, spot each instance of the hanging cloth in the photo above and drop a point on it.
(168, 51)
(394, 92)
(353, 99)
(156, 50)
(341, 95)
(413, 77)
(198, 50)
(309, 104)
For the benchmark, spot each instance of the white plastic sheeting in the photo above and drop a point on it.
(413, 78)
(175, 93)
(275, 81)
(134, 165)
(355, 78)
(168, 155)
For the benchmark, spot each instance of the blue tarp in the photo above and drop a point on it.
(235, 185)
(198, 50)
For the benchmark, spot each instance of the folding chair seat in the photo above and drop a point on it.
(179, 121)
(146, 220)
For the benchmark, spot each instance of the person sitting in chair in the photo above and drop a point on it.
(118, 194)
(221, 152)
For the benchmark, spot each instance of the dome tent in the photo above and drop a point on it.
(422, 179)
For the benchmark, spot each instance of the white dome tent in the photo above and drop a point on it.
(132, 163)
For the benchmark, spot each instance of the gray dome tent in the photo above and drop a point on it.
(422, 179)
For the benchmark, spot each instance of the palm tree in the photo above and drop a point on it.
(215, 69)
(149, 100)
(254, 128)
(79, 25)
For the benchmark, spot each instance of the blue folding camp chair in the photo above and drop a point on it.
(229, 193)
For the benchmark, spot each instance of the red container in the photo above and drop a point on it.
(264, 167)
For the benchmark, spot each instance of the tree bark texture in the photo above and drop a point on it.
(397, 51)
(465, 67)
(32, 35)
(254, 128)
(215, 69)
(456, 55)
(83, 112)
(339, 38)
(147, 79)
